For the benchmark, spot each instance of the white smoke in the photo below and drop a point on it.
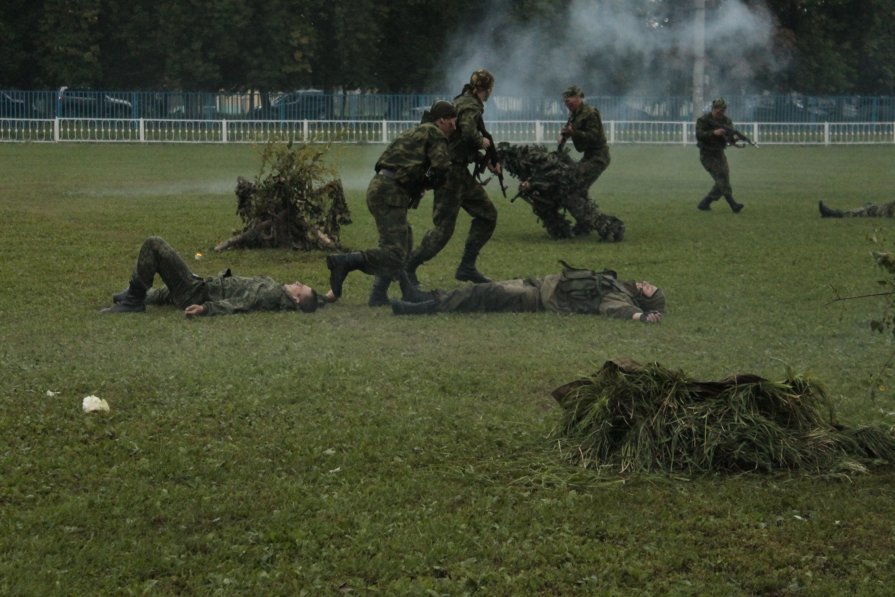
(603, 44)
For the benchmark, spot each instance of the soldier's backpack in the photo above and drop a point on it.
(581, 290)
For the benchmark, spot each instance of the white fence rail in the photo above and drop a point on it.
(123, 130)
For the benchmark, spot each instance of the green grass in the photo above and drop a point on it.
(354, 451)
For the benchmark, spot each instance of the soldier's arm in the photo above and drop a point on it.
(619, 306)
(589, 130)
(469, 130)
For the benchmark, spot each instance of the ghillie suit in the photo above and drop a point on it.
(553, 189)
(292, 203)
(629, 418)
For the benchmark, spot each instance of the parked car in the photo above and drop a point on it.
(91, 104)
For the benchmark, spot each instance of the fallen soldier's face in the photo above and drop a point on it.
(645, 288)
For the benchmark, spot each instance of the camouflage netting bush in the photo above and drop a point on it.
(293, 203)
(630, 418)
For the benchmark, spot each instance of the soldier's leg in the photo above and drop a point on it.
(388, 258)
(445, 209)
(711, 162)
(591, 168)
(723, 180)
(475, 201)
(512, 296)
(872, 211)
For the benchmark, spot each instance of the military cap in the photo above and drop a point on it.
(573, 91)
(442, 109)
(482, 79)
(718, 102)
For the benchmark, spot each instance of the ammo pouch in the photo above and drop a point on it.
(581, 290)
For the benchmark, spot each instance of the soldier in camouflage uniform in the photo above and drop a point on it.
(573, 291)
(461, 188)
(549, 183)
(585, 129)
(870, 210)
(418, 159)
(712, 141)
(218, 295)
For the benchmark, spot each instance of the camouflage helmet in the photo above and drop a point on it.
(573, 91)
(481, 79)
(719, 103)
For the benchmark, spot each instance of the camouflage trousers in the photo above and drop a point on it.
(183, 288)
(515, 296)
(883, 210)
(591, 166)
(588, 218)
(715, 163)
(388, 202)
(460, 190)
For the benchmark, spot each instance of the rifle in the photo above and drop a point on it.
(732, 135)
(565, 136)
(490, 156)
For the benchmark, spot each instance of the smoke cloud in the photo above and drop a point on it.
(616, 47)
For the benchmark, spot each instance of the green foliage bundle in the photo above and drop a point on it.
(633, 418)
(294, 202)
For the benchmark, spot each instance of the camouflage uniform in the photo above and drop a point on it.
(589, 138)
(220, 295)
(884, 210)
(553, 187)
(400, 181)
(461, 189)
(711, 155)
(573, 291)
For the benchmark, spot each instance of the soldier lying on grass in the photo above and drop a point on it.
(572, 291)
(217, 295)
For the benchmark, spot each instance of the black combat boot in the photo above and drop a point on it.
(734, 206)
(705, 204)
(411, 273)
(379, 294)
(466, 271)
(117, 298)
(410, 293)
(826, 212)
(339, 265)
(132, 301)
(406, 308)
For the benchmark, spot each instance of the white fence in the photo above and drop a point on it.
(118, 130)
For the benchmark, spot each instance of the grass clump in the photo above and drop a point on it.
(631, 418)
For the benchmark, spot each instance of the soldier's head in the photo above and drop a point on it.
(304, 296)
(444, 116)
(481, 83)
(573, 96)
(719, 107)
(649, 297)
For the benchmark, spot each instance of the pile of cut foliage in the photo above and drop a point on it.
(294, 202)
(629, 418)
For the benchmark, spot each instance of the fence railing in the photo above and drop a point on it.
(145, 130)
(311, 104)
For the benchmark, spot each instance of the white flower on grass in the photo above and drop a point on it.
(94, 403)
(51, 393)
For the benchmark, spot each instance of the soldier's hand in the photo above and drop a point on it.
(485, 143)
(194, 310)
(651, 317)
(495, 168)
(719, 132)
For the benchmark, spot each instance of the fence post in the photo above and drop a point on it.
(539, 131)
(56, 129)
(826, 133)
(611, 132)
(384, 131)
(684, 133)
(142, 130)
(755, 132)
(304, 131)
(223, 131)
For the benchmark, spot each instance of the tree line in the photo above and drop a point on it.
(401, 46)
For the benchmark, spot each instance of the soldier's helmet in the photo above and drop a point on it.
(482, 79)
(573, 91)
(719, 102)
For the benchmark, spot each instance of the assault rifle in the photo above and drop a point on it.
(564, 135)
(733, 136)
(490, 157)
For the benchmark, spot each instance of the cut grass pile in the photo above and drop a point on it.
(633, 418)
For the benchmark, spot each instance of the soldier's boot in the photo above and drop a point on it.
(132, 301)
(379, 294)
(117, 298)
(618, 231)
(734, 206)
(340, 264)
(406, 308)
(466, 271)
(410, 293)
(705, 204)
(826, 212)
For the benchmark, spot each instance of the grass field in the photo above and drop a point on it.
(351, 451)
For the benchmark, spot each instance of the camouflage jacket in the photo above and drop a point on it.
(706, 138)
(588, 135)
(240, 294)
(466, 141)
(411, 156)
(585, 291)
